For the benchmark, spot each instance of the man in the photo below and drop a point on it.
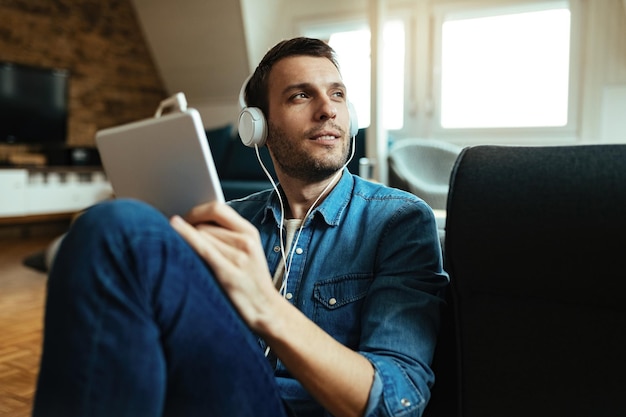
(149, 317)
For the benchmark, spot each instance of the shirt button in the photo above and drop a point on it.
(276, 249)
(405, 402)
(289, 296)
(299, 251)
(332, 301)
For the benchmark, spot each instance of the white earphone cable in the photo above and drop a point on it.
(283, 287)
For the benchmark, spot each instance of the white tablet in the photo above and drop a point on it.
(164, 161)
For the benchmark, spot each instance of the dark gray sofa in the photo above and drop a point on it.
(536, 324)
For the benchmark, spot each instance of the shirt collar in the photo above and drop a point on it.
(330, 210)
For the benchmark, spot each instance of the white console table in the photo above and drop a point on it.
(49, 191)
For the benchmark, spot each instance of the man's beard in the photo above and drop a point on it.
(297, 163)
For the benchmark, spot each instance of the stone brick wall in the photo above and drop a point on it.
(113, 78)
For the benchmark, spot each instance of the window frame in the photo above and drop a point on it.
(323, 27)
(526, 135)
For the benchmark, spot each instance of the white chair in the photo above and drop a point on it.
(423, 167)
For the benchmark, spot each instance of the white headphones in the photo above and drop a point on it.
(252, 125)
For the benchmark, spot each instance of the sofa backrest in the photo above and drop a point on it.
(538, 279)
(233, 159)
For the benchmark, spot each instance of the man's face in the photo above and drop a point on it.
(308, 118)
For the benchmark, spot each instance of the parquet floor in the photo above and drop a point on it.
(22, 292)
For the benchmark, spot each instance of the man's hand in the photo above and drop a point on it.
(232, 248)
(338, 377)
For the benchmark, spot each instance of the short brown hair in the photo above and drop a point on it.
(257, 88)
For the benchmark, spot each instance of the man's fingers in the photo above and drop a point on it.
(220, 214)
(218, 246)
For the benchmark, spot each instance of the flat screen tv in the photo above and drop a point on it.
(33, 105)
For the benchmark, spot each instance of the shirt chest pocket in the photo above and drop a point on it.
(338, 304)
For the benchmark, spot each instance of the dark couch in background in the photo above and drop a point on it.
(237, 165)
(537, 318)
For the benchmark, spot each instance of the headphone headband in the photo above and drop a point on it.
(242, 92)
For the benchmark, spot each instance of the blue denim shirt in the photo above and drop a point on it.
(370, 274)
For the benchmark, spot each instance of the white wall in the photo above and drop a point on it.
(604, 67)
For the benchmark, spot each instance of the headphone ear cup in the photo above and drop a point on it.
(252, 127)
(354, 122)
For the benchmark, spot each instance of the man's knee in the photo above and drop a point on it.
(119, 214)
(111, 223)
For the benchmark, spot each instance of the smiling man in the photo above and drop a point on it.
(148, 316)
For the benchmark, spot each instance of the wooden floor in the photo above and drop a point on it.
(22, 292)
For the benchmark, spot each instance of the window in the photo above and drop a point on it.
(352, 45)
(505, 68)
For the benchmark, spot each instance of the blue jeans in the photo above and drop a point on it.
(136, 325)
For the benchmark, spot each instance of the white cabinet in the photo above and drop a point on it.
(13, 192)
(27, 192)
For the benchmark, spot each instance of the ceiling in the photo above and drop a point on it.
(198, 46)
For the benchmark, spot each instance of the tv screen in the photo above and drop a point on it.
(33, 104)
